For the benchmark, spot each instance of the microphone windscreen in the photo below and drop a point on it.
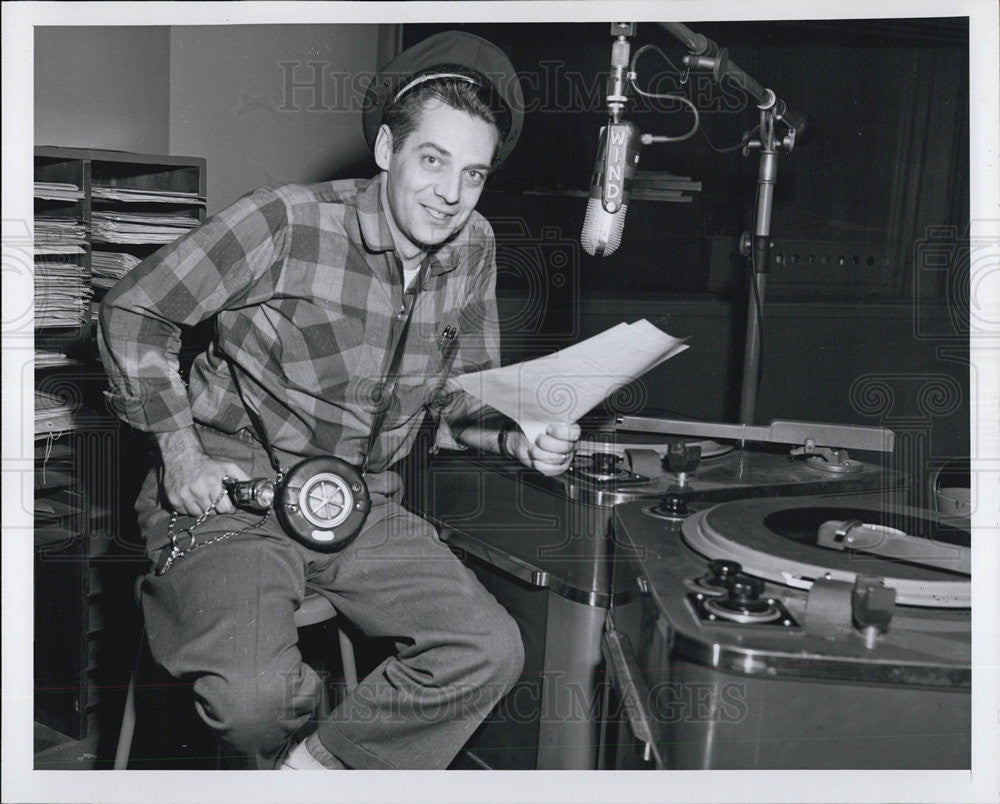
(602, 230)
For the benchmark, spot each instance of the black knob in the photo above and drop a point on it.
(744, 589)
(722, 570)
(742, 602)
(604, 463)
(673, 505)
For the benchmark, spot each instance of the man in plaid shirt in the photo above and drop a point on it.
(312, 286)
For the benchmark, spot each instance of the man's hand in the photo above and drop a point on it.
(192, 480)
(553, 450)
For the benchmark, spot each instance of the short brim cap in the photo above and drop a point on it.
(453, 48)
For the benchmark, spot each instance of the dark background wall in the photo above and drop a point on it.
(888, 104)
(866, 306)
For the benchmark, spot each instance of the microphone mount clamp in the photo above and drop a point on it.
(617, 95)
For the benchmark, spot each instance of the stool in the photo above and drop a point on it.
(315, 609)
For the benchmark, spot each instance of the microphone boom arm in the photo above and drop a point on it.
(706, 56)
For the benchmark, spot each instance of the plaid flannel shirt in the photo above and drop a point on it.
(308, 292)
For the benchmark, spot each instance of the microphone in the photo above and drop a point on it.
(800, 127)
(610, 187)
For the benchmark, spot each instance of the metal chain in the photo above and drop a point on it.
(177, 552)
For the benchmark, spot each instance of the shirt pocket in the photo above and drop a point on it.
(430, 356)
(447, 341)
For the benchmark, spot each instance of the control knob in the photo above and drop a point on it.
(604, 463)
(720, 570)
(672, 506)
(742, 602)
(743, 594)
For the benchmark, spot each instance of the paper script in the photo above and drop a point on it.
(563, 386)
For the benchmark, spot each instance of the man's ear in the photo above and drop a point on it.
(383, 147)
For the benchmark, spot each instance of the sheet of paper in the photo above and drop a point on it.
(563, 386)
(136, 195)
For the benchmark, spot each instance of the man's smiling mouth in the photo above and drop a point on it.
(437, 214)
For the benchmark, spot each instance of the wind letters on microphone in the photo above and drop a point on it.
(611, 183)
(614, 180)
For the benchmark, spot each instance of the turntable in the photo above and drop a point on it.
(683, 461)
(543, 547)
(794, 632)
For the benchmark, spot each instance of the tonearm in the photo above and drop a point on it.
(824, 444)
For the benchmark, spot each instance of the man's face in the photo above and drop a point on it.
(436, 178)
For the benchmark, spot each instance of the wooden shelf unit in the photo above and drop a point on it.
(91, 169)
(86, 460)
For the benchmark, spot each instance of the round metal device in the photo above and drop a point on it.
(323, 503)
(326, 500)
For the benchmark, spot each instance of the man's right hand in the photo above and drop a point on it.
(192, 480)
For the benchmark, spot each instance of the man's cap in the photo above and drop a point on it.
(450, 50)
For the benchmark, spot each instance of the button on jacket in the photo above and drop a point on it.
(310, 302)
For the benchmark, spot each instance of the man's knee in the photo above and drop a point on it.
(256, 713)
(503, 650)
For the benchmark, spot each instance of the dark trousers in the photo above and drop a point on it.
(222, 618)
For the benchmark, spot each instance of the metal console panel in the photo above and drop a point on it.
(545, 557)
(809, 688)
(543, 547)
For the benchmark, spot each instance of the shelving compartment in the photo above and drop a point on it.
(88, 465)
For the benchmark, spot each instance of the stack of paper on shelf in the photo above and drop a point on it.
(58, 191)
(119, 227)
(52, 414)
(62, 293)
(130, 195)
(45, 358)
(107, 267)
(55, 235)
(62, 282)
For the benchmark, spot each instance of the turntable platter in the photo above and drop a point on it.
(777, 539)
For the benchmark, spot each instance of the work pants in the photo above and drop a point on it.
(222, 618)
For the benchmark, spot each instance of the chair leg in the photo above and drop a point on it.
(127, 730)
(347, 660)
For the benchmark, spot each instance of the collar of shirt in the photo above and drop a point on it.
(378, 237)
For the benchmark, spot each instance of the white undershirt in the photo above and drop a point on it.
(409, 274)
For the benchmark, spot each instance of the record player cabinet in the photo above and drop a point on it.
(690, 689)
